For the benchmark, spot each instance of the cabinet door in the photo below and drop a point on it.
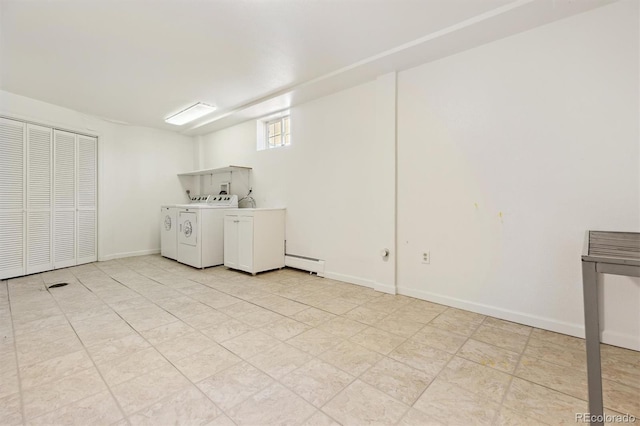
(12, 178)
(245, 243)
(231, 241)
(87, 200)
(64, 199)
(39, 194)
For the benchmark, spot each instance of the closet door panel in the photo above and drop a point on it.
(11, 165)
(87, 199)
(39, 242)
(86, 236)
(12, 182)
(11, 244)
(39, 168)
(39, 194)
(64, 196)
(86, 172)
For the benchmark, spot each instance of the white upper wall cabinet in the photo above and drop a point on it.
(48, 190)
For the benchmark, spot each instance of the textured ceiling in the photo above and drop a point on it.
(140, 61)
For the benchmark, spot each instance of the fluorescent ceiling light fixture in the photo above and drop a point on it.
(192, 113)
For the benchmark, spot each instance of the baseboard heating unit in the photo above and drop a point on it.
(305, 263)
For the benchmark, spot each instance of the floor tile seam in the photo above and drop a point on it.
(511, 376)
(141, 295)
(149, 372)
(405, 337)
(167, 397)
(563, 392)
(340, 368)
(434, 325)
(574, 369)
(556, 345)
(78, 401)
(519, 354)
(371, 384)
(502, 329)
(228, 409)
(503, 405)
(171, 363)
(280, 382)
(550, 387)
(27, 336)
(223, 292)
(249, 301)
(636, 387)
(50, 381)
(488, 366)
(481, 365)
(321, 408)
(299, 302)
(96, 369)
(555, 391)
(473, 336)
(15, 349)
(270, 310)
(316, 358)
(452, 356)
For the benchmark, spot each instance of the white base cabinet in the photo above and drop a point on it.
(254, 240)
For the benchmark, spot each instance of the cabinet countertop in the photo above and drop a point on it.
(258, 209)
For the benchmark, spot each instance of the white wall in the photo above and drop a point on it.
(507, 153)
(137, 170)
(328, 179)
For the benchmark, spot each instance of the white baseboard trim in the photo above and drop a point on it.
(505, 314)
(350, 279)
(384, 288)
(614, 338)
(577, 330)
(128, 254)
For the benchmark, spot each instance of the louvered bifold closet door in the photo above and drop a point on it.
(87, 199)
(12, 178)
(64, 199)
(39, 232)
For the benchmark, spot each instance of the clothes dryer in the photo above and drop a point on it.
(200, 231)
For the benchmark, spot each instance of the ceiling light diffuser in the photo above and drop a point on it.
(192, 113)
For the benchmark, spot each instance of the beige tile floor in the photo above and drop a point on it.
(149, 341)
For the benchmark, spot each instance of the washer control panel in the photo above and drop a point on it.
(216, 200)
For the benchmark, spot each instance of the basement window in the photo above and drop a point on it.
(274, 132)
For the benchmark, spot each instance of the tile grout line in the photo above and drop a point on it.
(84, 347)
(541, 359)
(467, 338)
(314, 357)
(452, 356)
(341, 315)
(511, 377)
(126, 417)
(224, 369)
(15, 348)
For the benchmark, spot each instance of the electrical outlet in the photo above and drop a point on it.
(426, 257)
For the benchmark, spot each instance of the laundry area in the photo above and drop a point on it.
(387, 212)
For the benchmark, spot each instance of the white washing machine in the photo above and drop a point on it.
(200, 230)
(169, 231)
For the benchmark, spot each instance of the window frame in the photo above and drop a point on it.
(283, 120)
